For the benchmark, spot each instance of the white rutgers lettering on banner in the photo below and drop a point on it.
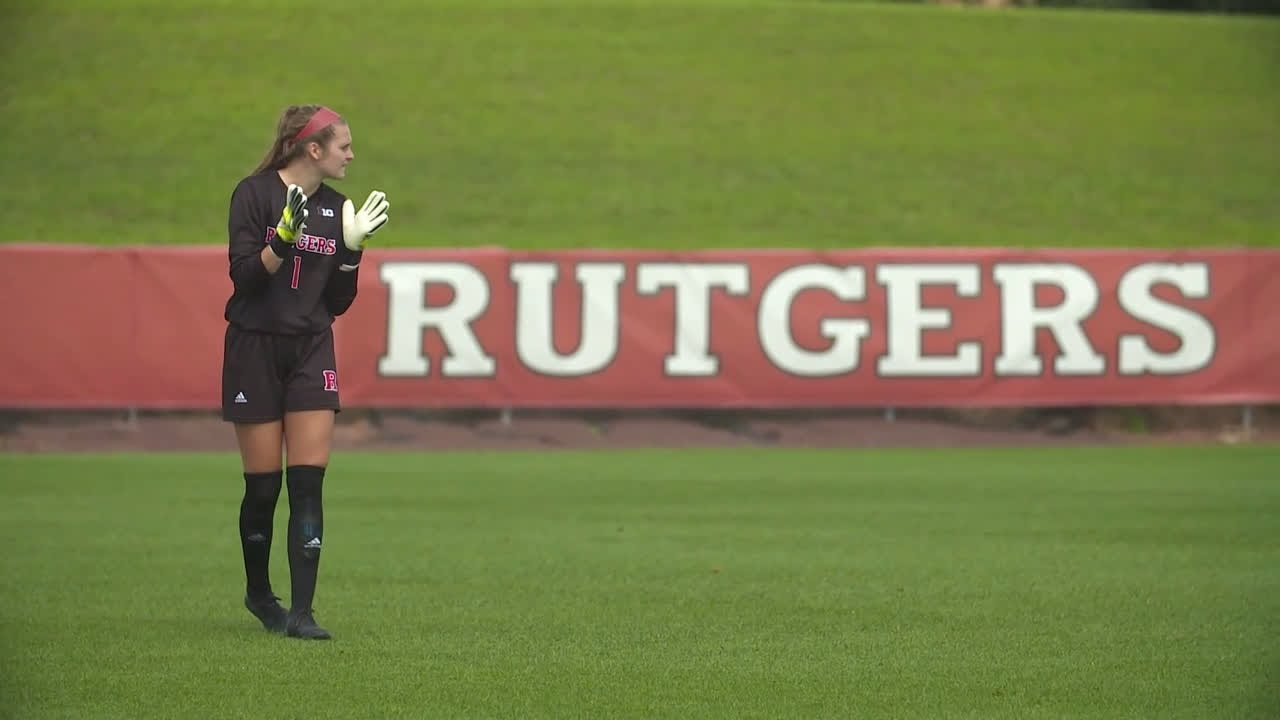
(1196, 337)
(773, 324)
(692, 284)
(907, 320)
(408, 319)
(1010, 336)
(598, 339)
(1021, 317)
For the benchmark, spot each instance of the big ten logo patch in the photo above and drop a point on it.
(330, 381)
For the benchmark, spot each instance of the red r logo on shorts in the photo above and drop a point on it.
(330, 381)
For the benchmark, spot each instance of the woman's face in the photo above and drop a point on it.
(336, 153)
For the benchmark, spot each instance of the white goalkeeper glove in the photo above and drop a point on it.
(359, 225)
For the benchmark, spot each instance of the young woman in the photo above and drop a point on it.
(295, 250)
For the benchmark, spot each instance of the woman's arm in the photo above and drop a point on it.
(343, 284)
(252, 261)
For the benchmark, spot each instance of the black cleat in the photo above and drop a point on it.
(268, 610)
(301, 624)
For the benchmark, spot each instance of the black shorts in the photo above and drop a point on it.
(265, 376)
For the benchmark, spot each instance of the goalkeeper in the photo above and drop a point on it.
(295, 251)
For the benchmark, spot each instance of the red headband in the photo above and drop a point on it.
(323, 118)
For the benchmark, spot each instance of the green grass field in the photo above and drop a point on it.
(991, 585)
(1019, 584)
(675, 124)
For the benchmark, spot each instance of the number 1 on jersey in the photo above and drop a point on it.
(297, 271)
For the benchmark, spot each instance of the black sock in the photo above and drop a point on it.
(306, 530)
(257, 517)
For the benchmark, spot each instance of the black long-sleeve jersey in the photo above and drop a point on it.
(311, 287)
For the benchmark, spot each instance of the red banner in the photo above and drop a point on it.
(143, 328)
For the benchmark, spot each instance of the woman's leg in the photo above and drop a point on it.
(261, 446)
(260, 454)
(308, 440)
